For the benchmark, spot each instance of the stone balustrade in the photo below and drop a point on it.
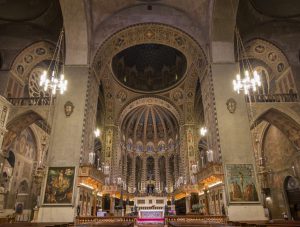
(272, 98)
(38, 101)
(89, 171)
(214, 170)
(196, 218)
(111, 219)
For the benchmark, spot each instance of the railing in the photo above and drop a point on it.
(272, 98)
(196, 219)
(39, 101)
(112, 219)
(211, 169)
(90, 171)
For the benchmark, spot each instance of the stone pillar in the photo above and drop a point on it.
(4, 111)
(206, 202)
(65, 148)
(156, 170)
(133, 172)
(112, 205)
(235, 140)
(144, 173)
(167, 173)
(188, 204)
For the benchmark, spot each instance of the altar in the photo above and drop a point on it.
(151, 216)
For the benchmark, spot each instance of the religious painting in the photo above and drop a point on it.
(241, 183)
(59, 188)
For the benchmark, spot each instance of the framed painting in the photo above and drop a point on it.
(59, 186)
(241, 183)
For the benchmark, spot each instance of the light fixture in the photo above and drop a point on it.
(250, 82)
(203, 131)
(55, 82)
(97, 132)
(87, 186)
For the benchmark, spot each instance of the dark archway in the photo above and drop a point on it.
(292, 190)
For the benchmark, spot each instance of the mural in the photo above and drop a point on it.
(241, 183)
(59, 189)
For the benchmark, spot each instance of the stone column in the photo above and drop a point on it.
(66, 148)
(144, 173)
(112, 205)
(188, 204)
(133, 172)
(4, 111)
(156, 170)
(235, 140)
(167, 173)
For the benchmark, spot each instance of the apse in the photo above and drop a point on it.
(149, 67)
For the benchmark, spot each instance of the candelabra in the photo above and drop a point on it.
(53, 82)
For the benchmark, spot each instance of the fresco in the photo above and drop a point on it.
(241, 183)
(59, 187)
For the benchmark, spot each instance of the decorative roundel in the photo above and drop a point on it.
(34, 89)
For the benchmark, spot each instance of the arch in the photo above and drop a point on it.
(23, 120)
(133, 104)
(31, 56)
(284, 122)
(115, 21)
(291, 187)
(269, 54)
(76, 30)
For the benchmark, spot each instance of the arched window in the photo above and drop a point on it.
(150, 147)
(139, 147)
(265, 79)
(161, 146)
(129, 145)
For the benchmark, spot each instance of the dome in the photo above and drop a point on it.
(149, 128)
(149, 67)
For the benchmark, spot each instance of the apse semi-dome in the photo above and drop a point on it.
(149, 125)
(149, 67)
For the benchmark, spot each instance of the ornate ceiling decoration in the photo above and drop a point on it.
(150, 123)
(268, 53)
(149, 101)
(149, 67)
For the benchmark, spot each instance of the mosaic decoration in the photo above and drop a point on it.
(241, 183)
(59, 186)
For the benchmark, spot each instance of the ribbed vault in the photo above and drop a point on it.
(149, 124)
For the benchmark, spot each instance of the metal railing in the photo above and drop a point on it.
(39, 101)
(272, 98)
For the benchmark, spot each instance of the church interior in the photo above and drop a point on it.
(149, 113)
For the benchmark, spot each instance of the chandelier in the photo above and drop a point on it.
(55, 81)
(248, 83)
(251, 80)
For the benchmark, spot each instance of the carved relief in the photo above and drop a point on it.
(231, 105)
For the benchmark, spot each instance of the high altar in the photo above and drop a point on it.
(150, 207)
